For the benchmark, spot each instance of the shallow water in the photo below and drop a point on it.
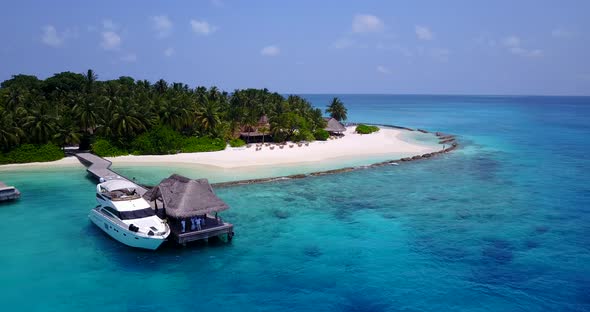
(503, 224)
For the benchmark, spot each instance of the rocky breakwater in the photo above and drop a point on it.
(443, 139)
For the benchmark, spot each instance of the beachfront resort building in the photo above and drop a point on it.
(257, 132)
(334, 127)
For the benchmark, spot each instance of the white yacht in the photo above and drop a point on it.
(126, 216)
(8, 192)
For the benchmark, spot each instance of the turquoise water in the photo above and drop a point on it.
(503, 224)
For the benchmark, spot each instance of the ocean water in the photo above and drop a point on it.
(502, 224)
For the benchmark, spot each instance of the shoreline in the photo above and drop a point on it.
(352, 145)
(445, 137)
(388, 141)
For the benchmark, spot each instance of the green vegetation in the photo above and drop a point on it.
(125, 115)
(158, 141)
(337, 110)
(32, 153)
(104, 148)
(303, 135)
(321, 135)
(236, 143)
(364, 129)
(203, 144)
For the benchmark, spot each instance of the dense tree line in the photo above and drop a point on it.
(70, 108)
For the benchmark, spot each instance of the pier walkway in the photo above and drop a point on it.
(99, 168)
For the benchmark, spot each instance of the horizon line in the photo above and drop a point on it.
(440, 94)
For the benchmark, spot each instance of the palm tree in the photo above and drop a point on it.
(126, 120)
(174, 113)
(90, 78)
(40, 123)
(161, 86)
(337, 110)
(86, 114)
(67, 133)
(264, 130)
(14, 98)
(10, 133)
(208, 115)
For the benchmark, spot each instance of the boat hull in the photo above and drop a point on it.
(122, 234)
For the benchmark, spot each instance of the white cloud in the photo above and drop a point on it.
(561, 33)
(383, 70)
(363, 23)
(108, 24)
(218, 3)
(51, 38)
(130, 58)
(162, 25)
(271, 50)
(110, 40)
(424, 33)
(404, 51)
(511, 41)
(484, 40)
(202, 27)
(514, 46)
(343, 43)
(440, 54)
(169, 52)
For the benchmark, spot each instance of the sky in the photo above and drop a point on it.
(499, 47)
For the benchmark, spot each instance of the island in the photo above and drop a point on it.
(132, 121)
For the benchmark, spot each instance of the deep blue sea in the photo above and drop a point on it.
(502, 224)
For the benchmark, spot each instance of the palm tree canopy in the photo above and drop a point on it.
(70, 107)
(337, 110)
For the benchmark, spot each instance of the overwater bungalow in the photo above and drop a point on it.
(191, 209)
(8, 192)
(334, 127)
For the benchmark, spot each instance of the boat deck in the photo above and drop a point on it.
(8, 192)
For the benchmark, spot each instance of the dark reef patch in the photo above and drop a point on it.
(281, 214)
(497, 251)
(312, 251)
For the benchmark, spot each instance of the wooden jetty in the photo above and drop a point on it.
(100, 168)
(196, 199)
(8, 192)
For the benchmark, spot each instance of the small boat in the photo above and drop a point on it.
(126, 216)
(8, 192)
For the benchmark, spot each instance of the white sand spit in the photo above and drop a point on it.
(386, 141)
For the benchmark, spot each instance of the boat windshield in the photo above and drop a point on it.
(137, 214)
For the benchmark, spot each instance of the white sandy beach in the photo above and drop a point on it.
(384, 142)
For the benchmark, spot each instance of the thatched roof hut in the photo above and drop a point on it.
(334, 126)
(185, 198)
(263, 121)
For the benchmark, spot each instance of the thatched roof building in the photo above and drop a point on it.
(263, 121)
(334, 126)
(253, 131)
(184, 198)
